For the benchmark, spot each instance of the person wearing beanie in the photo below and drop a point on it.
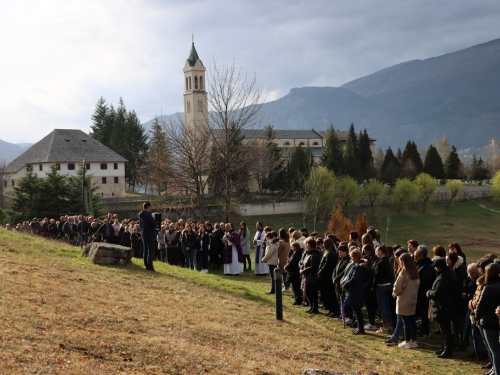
(443, 303)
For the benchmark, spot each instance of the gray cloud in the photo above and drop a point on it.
(61, 57)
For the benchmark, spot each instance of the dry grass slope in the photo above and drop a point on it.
(62, 315)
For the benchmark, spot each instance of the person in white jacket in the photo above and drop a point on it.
(271, 256)
(260, 268)
(244, 234)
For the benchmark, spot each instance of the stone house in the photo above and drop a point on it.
(65, 148)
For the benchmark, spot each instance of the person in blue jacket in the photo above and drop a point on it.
(147, 225)
(354, 287)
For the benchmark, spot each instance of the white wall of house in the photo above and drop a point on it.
(109, 176)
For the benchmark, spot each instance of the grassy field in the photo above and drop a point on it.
(60, 314)
(470, 223)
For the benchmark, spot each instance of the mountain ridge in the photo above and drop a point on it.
(456, 94)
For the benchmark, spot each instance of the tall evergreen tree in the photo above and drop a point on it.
(275, 179)
(390, 167)
(452, 165)
(53, 191)
(239, 177)
(354, 138)
(157, 164)
(123, 132)
(331, 156)
(299, 168)
(137, 147)
(26, 196)
(350, 164)
(130, 140)
(433, 164)
(399, 155)
(478, 171)
(411, 163)
(365, 156)
(120, 132)
(102, 122)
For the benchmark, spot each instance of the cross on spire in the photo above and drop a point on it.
(192, 38)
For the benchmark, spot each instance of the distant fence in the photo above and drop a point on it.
(269, 208)
(289, 207)
(127, 199)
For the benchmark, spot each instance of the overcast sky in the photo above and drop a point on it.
(59, 57)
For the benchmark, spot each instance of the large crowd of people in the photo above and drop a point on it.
(397, 286)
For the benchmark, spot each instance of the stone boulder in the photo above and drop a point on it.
(106, 253)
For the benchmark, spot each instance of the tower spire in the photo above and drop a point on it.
(193, 55)
(195, 96)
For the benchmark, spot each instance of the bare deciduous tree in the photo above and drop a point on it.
(492, 155)
(443, 147)
(189, 161)
(234, 104)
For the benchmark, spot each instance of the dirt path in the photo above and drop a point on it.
(489, 209)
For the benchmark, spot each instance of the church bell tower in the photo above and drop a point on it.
(195, 96)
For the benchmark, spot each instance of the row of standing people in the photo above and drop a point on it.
(403, 286)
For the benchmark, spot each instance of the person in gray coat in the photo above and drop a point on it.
(244, 234)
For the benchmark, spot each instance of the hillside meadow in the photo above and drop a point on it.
(60, 314)
(475, 225)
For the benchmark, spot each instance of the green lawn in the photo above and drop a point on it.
(474, 227)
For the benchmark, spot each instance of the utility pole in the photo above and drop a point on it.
(83, 202)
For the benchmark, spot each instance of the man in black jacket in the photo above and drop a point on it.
(293, 272)
(309, 272)
(147, 226)
(326, 267)
(427, 276)
(339, 273)
(443, 296)
(216, 247)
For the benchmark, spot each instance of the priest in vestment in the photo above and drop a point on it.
(233, 257)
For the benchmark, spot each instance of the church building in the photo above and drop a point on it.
(196, 115)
